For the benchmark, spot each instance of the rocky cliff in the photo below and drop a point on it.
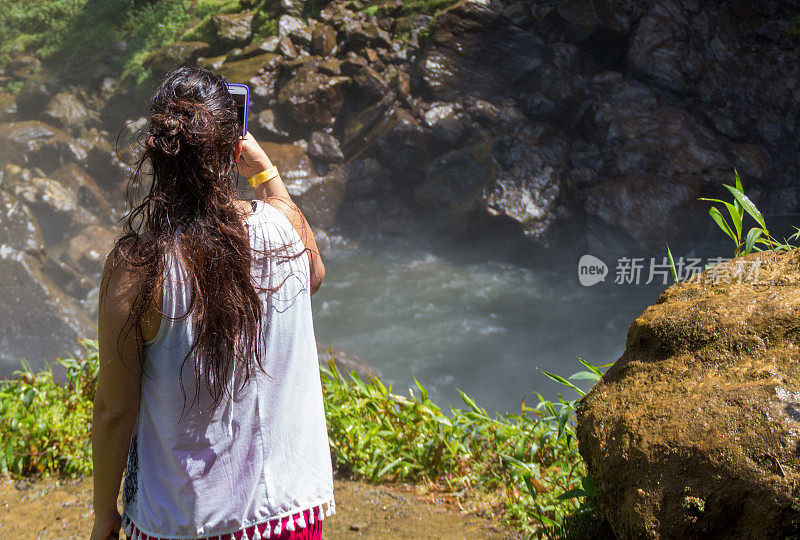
(587, 122)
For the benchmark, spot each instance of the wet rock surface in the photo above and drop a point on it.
(694, 432)
(33, 302)
(673, 94)
(34, 142)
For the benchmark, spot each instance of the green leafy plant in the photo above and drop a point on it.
(672, 268)
(524, 466)
(45, 424)
(758, 238)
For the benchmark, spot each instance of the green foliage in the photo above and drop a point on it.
(204, 8)
(45, 425)
(154, 25)
(524, 465)
(672, 268)
(34, 25)
(527, 463)
(758, 238)
(74, 35)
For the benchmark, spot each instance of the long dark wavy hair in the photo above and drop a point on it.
(188, 209)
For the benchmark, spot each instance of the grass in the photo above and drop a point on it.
(45, 425)
(522, 469)
(758, 238)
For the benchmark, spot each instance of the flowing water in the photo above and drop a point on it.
(453, 317)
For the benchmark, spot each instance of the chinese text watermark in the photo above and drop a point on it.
(639, 270)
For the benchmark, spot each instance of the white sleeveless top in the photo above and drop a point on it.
(262, 456)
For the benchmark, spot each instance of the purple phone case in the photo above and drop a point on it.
(246, 104)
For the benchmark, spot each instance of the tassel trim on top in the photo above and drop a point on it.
(259, 531)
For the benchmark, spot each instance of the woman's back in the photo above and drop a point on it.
(195, 470)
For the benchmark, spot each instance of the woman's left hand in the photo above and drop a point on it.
(104, 529)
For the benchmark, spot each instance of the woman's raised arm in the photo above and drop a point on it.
(252, 160)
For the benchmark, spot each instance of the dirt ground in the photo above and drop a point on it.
(61, 509)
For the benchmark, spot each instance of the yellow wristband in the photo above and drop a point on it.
(264, 176)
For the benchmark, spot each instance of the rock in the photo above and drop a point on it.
(293, 7)
(579, 19)
(233, 28)
(657, 159)
(295, 167)
(287, 48)
(400, 82)
(88, 249)
(470, 42)
(356, 131)
(323, 40)
(87, 193)
(324, 146)
(394, 136)
(358, 34)
(171, 56)
(312, 98)
(255, 71)
(361, 178)
(412, 23)
(528, 183)
(36, 92)
(36, 143)
(519, 13)
(72, 281)
(68, 111)
(320, 199)
(751, 161)
(454, 181)
(330, 66)
(19, 230)
(369, 85)
(22, 66)
(449, 124)
(39, 320)
(56, 207)
(301, 36)
(692, 433)
(288, 24)
(268, 45)
(8, 107)
(271, 123)
(353, 63)
(659, 50)
(213, 63)
(104, 162)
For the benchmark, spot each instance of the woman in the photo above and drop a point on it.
(209, 388)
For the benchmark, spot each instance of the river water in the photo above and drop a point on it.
(454, 317)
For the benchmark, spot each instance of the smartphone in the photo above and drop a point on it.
(241, 95)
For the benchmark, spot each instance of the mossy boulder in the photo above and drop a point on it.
(169, 57)
(695, 431)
